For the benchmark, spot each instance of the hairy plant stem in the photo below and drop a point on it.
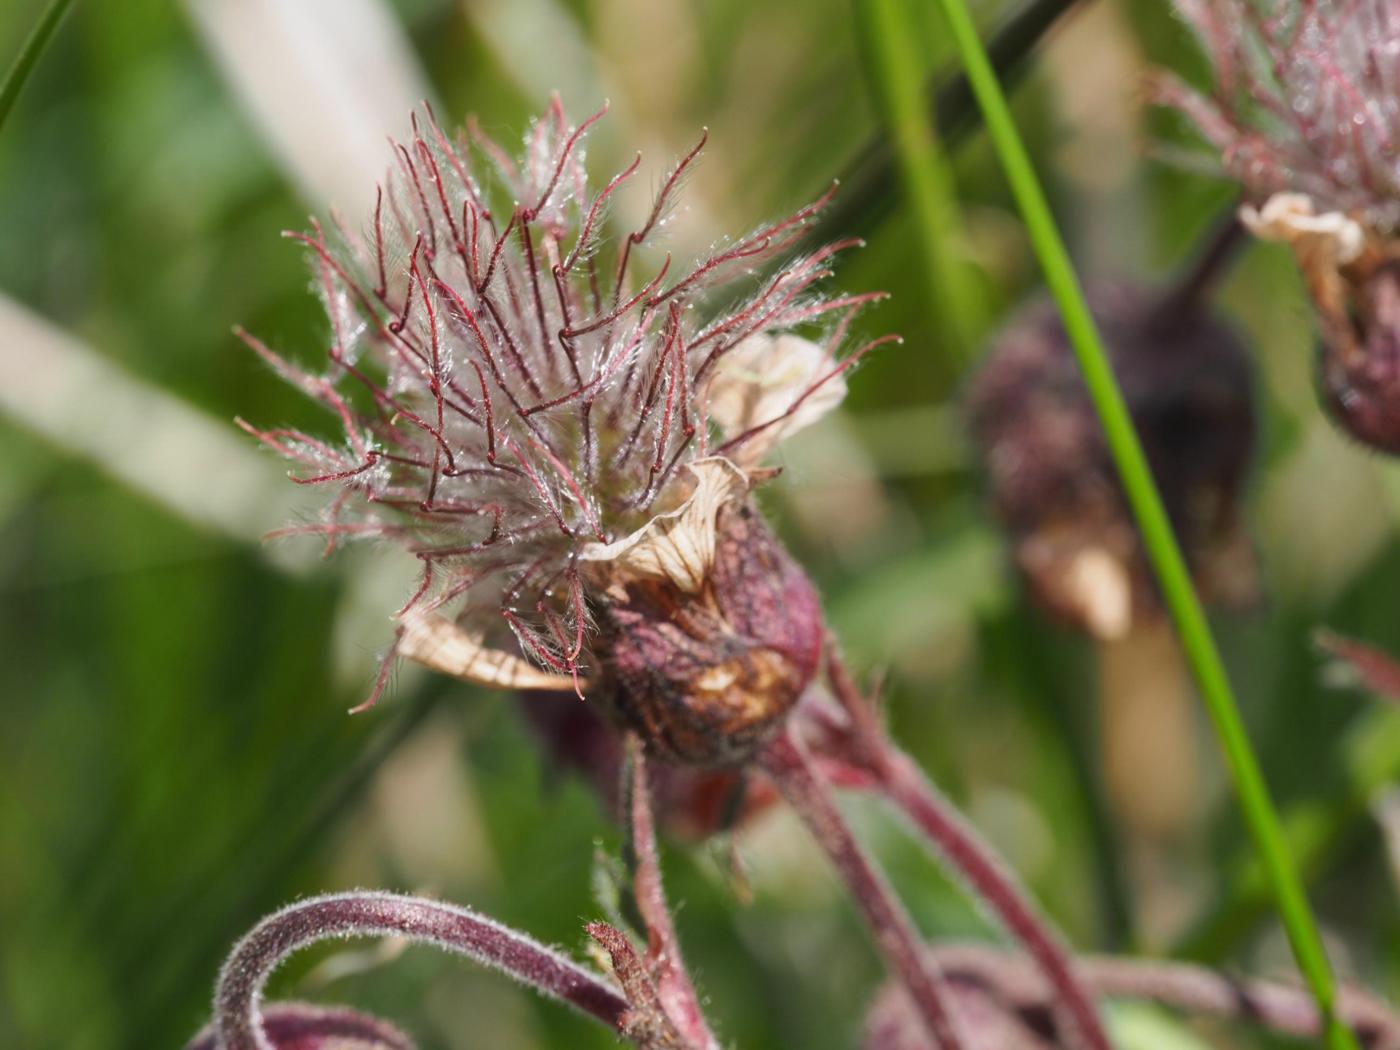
(899, 780)
(965, 852)
(786, 762)
(674, 989)
(238, 996)
(1281, 1008)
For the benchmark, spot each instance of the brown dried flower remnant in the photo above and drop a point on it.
(1305, 111)
(568, 445)
(1188, 385)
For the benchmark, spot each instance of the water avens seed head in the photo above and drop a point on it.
(1305, 113)
(564, 429)
(1188, 384)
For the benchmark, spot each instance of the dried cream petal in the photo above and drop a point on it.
(1292, 219)
(441, 645)
(1100, 586)
(679, 545)
(760, 379)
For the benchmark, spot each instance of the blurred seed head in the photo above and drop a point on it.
(565, 431)
(1187, 382)
(1305, 111)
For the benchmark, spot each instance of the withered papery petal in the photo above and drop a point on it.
(760, 380)
(1293, 219)
(443, 646)
(679, 545)
(1103, 588)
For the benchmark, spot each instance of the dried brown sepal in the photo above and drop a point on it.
(707, 678)
(677, 547)
(1352, 274)
(645, 1023)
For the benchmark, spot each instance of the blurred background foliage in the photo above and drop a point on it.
(175, 757)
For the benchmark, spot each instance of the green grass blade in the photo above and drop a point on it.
(925, 173)
(29, 54)
(1158, 540)
(865, 197)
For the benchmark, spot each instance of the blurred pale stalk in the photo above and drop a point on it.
(326, 82)
(926, 175)
(197, 467)
(514, 29)
(1151, 762)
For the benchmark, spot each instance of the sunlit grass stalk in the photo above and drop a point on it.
(926, 175)
(1160, 544)
(29, 54)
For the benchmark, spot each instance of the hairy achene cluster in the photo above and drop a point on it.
(1305, 111)
(565, 429)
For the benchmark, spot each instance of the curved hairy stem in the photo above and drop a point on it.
(896, 778)
(1282, 1008)
(788, 765)
(237, 999)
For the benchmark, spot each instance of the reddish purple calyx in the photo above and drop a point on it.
(707, 678)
